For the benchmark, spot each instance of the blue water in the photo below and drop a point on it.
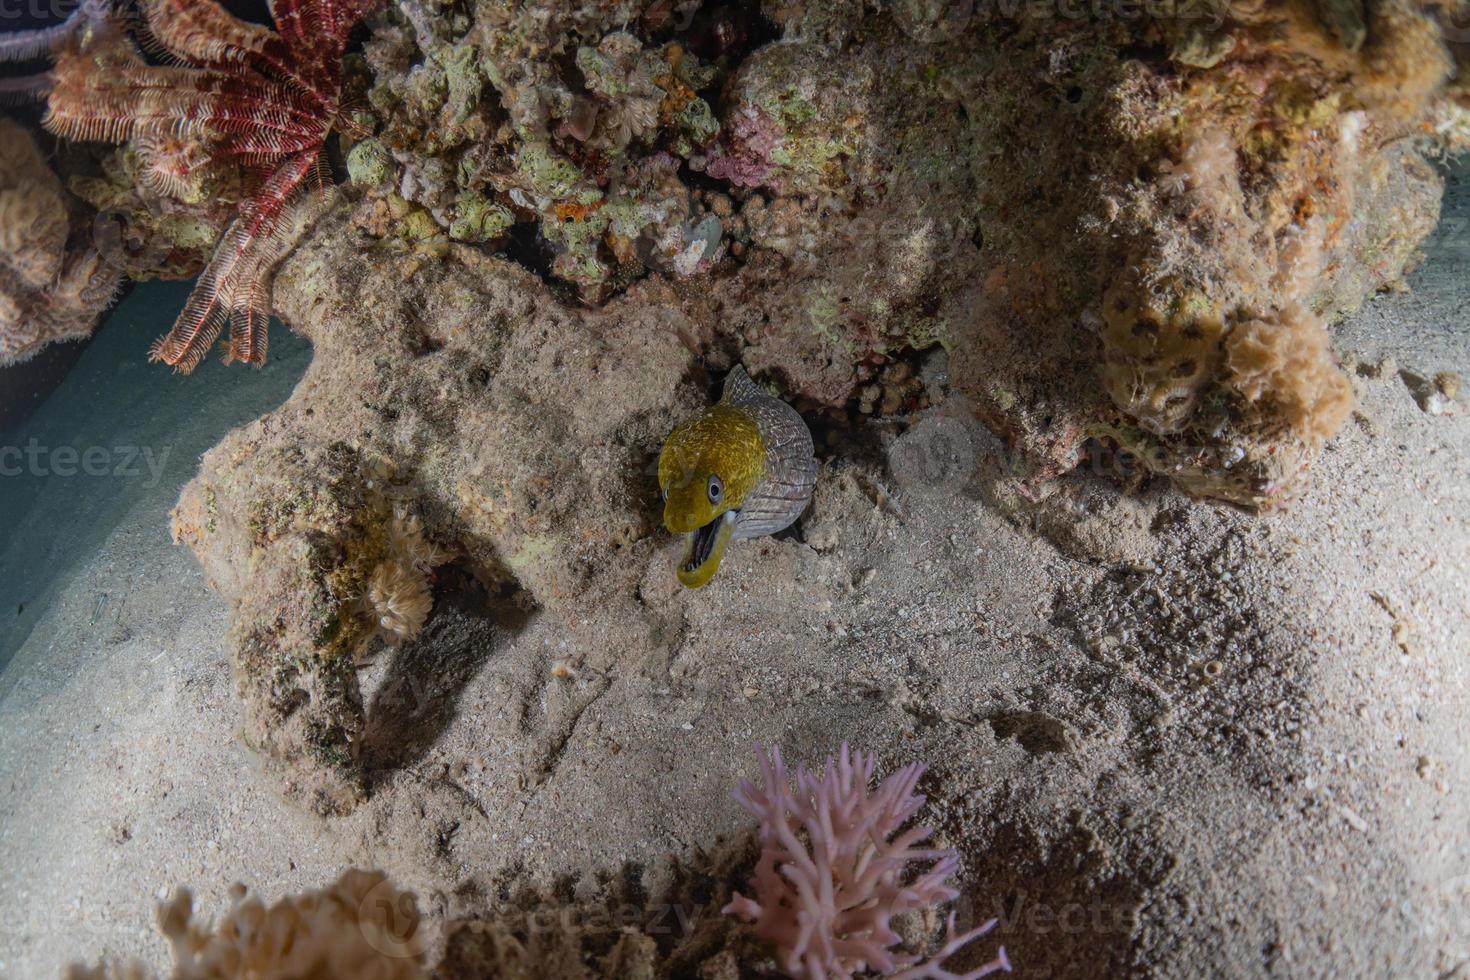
(109, 449)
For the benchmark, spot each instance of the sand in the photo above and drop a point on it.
(1169, 738)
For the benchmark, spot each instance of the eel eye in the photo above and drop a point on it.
(716, 489)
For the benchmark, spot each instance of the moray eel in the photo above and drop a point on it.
(740, 469)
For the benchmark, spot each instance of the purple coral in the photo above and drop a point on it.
(744, 156)
(828, 903)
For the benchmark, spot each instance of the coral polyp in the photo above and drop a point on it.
(240, 97)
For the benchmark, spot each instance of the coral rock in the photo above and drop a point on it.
(1287, 360)
(53, 281)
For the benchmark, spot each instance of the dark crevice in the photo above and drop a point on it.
(525, 246)
(724, 33)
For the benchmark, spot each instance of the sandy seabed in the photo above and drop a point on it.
(1169, 738)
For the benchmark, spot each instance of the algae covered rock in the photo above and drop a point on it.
(156, 230)
(796, 122)
(426, 442)
(491, 120)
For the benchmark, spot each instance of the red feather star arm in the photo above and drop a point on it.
(242, 96)
(230, 289)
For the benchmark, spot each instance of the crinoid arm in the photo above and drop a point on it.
(240, 98)
(23, 88)
(175, 166)
(318, 29)
(204, 32)
(232, 288)
(25, 45)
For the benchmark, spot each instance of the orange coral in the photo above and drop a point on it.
(398, 592)
(400, 597)
(360, 926)
(1286, 360)
(1156, 363)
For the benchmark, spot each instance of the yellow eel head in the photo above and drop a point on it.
(707, 467)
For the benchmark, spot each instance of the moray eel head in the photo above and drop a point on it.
(706, 468)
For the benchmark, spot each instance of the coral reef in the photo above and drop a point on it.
(151, 229)
(1113, 246)
(1272, 161)
(1269, 162)
(562, 123)
(836, 874)
(249, 97)
(297, 517)
(1295, 194)
(53, 282)
(828, 903)
(363, 927)
(798, 121)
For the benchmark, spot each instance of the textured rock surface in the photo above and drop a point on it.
(441, 392)
(1079, 212)
(53, 281)
(1206, 219)
(1163, 735)
(163, 232)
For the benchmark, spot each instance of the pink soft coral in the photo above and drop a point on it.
(827, 903)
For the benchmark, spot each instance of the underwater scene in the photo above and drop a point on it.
(734, 489)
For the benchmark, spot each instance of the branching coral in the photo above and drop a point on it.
(52, 283)
(244, 96)
(828, 904)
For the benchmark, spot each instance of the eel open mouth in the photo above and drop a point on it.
(704, 548)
